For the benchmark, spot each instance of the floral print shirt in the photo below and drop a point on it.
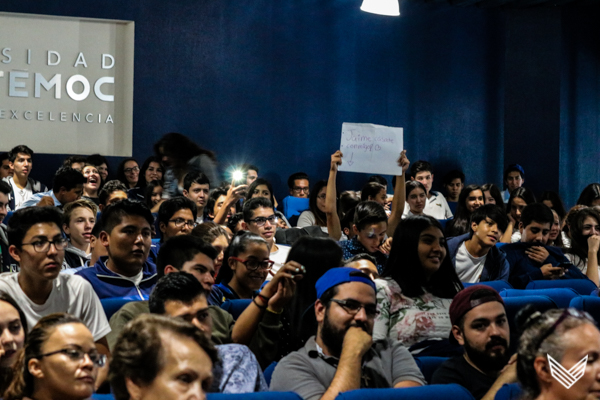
(410, 320)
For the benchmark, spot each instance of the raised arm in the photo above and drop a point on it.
(334, 227)
(592, 264)
(234, 194)
(399, 195)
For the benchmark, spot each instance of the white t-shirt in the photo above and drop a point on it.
(136, 279)
(279, 256)
(436, 206)
(70, 293)
(468, 268)
(21, 195)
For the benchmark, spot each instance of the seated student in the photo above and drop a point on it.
(531, 259)
(111, 192)
(97, 250)
(417, 286)
(22, 186)
(475, 255)
(514, 178)
(79, 218)
(436, 205)
(365, 263)
(470, 199)
(315, 215)
(492, 195)
(66, 187)
(260, 219)
(7, 264)
(101, 164)
(153, 195)
(217, 237)
(92, 186)
(152, 170)
(590, 195)
(298, 185)
(519, 199)
(196, 187)
(221, 203)
(416, 199)
(585, 240)
(5, 168)
(176, 216)
(374, 191)
(454, 182)
(343, 355)
(37, 244)
(126, 234)
(480, 325)
(181, 296)
(13, 330)
(161, 358)
(75, 162)
(251, 172)
(370, 226)
(262, 188)
(59, 361)
(128, 172)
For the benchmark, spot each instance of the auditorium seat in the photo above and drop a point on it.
(429, 392)
(428, 365)
(254, 396)
(561, 296)
(498, 285)
(582, 286)
(509, 391)
(112, 305)
(590, 304)
(268, 372)
(512, 305)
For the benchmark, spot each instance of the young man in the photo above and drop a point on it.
(453, 182)
(127, 235)
(190, 254)
(37, 244)
(111, 192)
(530, 259)
(298, 185)
(514, 177)
(181, 296)
(475, 255)
(79, 218)
(66, 188)
(342, 356)
(5, 168)
(7, 264)
(436, 205)
(479, 324)
(260, 218)
(23, 187)
(196, 187)
(251, 172)
(176, 216)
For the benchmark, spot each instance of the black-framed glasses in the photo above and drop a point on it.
(353, 307)
(78, 355)
(179, 222)
(252, 264)
(300, 189)
(43, 245)
(130, 170)
(568, 312)
(261, 221)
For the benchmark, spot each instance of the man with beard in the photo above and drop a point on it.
(479, 324)
(342, 356)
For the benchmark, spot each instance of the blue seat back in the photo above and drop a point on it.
(294, 206)
(112, 305)
(512, 305)
(268, 372)
(430, 392)
(498, 285)
(582, 286)
(254, 396)
(428, 365)
(561, 296)
(509, 391)
(590, 304)
(235, 307)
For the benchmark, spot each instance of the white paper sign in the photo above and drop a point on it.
(370, 148)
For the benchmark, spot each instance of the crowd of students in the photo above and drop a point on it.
(341, 290)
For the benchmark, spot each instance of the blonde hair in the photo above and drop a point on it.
(69, 208)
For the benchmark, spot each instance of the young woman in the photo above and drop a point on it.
(315, 215)
(374, 191)
(79, 218)
(101, 164)
(585, 240)
(92, 186)
(470, 199)
(153, 195)
(262, 188)
(555, 236)
(217, 237)
(492, 195)
(553, 200)
(129, 173)
(590, 196)
(518, 200)
(59, 361)
(152, 170)
(13, 331)
(562, 337)
(417, 285)
(416, 197)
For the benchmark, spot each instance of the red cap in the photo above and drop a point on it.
(462, 303)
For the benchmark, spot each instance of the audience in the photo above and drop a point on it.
(67, 186)
(79, 218)
(101, 164)
(585, 240)
(519, 199)
(416, 198)
(343, 355)
(436, 205)
(128, 173)
(217, 236)
(93, 182)
(23, 187)
(514, 178)
(176, 216)
(470, 199)
(126, 234)
(152, 170)
(315, 215)
(196, 187)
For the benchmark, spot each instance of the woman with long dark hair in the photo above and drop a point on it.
(315, 215)
(152, 170)
(129, 173)
(492, 195)
(263, 188)
(416, 197)
(590, 196)
(585, 240)
(417, 285)
(13, 332)
(470, 199)
(519, 199)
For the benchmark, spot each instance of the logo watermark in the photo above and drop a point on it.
(565, 377)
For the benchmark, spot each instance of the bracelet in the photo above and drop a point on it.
(273, 312)
(263, 298)
(259, 306)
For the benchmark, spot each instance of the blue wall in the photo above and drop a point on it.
(270, 82)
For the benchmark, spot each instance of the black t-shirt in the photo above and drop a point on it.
(458, 370)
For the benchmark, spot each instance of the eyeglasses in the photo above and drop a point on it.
(253, 264)
(130, 170)
(179, 222)
(568, 312)
(261, 221)
(42, 246)
(78, 355)
(353, 307)
(300, 189)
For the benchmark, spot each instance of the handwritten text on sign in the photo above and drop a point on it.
(370, 148)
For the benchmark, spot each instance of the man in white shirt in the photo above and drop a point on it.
(37, 244)
(23, 187)
(260, 218)
(196, 187)
(436, 206)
